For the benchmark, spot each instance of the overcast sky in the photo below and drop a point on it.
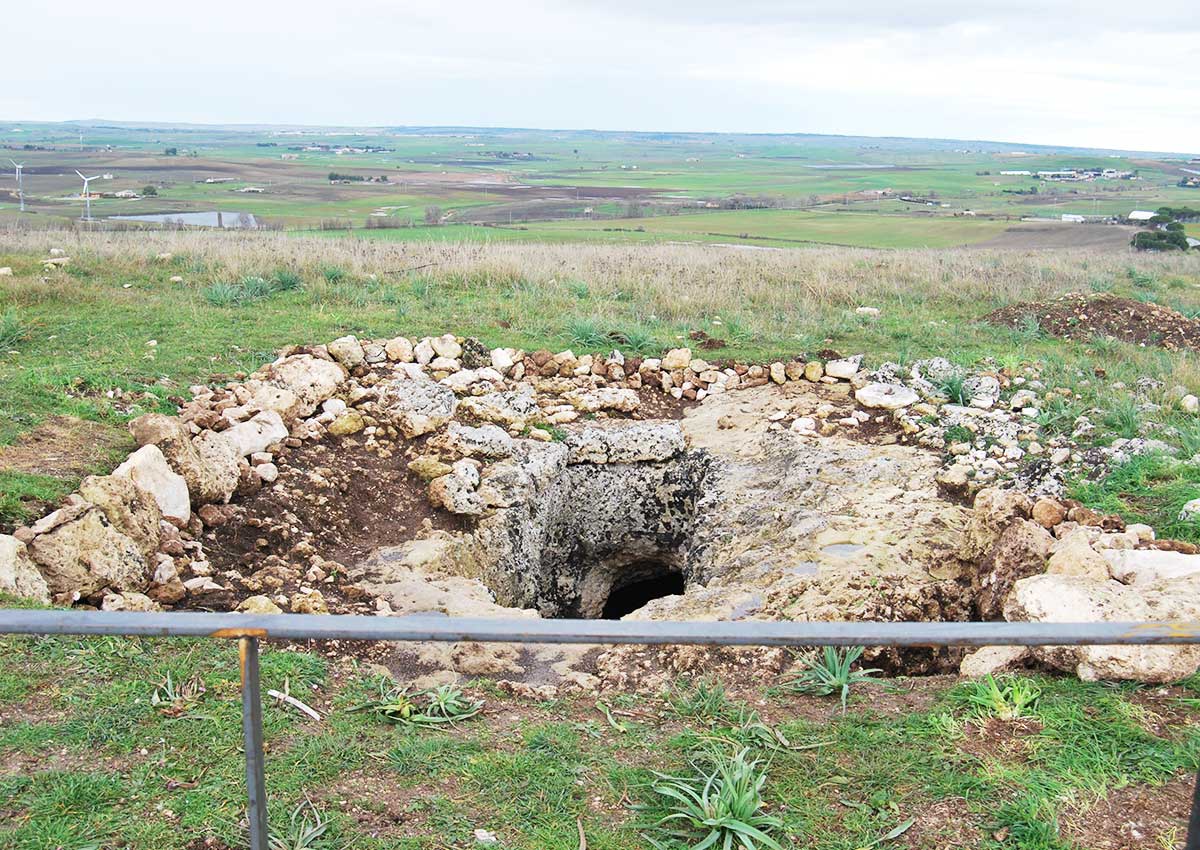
(1101, 74)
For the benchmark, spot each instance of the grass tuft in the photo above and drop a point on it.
(831, 672)
(720, 805)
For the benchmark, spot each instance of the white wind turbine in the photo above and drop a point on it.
(87, 195)
(20, 185)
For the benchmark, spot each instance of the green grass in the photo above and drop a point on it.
(1150, 489)
(23, 493)
(100, 763)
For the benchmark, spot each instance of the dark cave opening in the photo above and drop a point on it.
(654, 581)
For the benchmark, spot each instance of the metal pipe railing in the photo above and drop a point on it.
(249, 629)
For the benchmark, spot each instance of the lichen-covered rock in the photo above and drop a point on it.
(399, 350)
(512, 409)
(885, 396)
(348, 351)
(428, 467)
(257, 434)
(417, 405)
(258, 605)
(845, 369)
(149, 470)
(350, 422)
(129, 508)
(1146, 566)
(86, 554)
(18, 574)
(1048, 512)
(1074, 556)
(446, 346)
(995, 510)
(207, 462)
(456, 493)
(624, 442)
(677, 358)
(989, 660)
(311, 602)
(128, 600)
(215, 478)
(1020, 551)
(1069, 599)
(604, 398)
(311, 379)
(488, 441)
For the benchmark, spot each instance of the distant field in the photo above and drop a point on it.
(576, 186)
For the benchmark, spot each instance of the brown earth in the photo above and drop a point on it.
(1133, 818)
(1097, 237)
(339, 502)
(62, 447)
(1082, 317)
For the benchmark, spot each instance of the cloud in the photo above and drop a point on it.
(1105, 75)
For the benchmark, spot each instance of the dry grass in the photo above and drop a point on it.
(673, 281)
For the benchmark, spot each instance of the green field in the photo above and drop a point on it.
(585, 186)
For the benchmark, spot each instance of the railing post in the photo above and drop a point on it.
(252, 733)
(1193, 836)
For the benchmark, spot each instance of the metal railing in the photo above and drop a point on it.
(249, 629)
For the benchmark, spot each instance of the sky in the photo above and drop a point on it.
(1101, 74)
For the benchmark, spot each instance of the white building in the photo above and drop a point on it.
(1141, 215)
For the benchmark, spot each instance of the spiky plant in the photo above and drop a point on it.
(831, 672)
(718, 806)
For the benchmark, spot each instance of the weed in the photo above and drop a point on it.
(718, 806)
(1029, 329)
(333, 274)
(586, 332)
(831, 673)
(255, 287)
(958, 434)
(442, 705)
(1007, 698)
(954, 387)
(1123, 418)
(705, 699)
(578, 289)
(1150, 488)
(286, 280)
(303, 831)
(12, 330)
(223, 295)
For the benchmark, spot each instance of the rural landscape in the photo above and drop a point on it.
(585, 375)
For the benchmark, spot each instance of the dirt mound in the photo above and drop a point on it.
(1082, 317)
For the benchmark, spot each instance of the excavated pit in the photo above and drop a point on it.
(599, 540)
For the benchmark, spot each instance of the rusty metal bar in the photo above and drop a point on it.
(252, 734)
(428, 627)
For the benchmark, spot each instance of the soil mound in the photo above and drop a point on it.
(1082, 317)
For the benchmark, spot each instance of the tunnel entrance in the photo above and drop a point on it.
(653, 581)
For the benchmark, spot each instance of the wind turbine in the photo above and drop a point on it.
(87, 195)
(20, 184)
